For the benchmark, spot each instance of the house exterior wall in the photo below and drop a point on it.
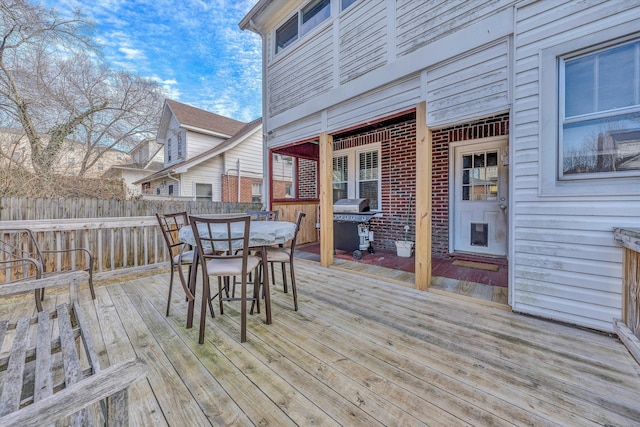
(230, 189)
(566, 264)
(481, 67)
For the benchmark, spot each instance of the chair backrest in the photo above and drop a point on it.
(170, 224)
(19, 243)
(295, 236)
(228, 236)
(20, 255)
(263, 215)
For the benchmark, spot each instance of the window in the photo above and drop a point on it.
(356, 174)
(288, 190)
(368, 177)
(204, 192)
(599, 113)
(287, 33)
(309, 17)
(480, 176)
(256, 192)
(180, 147)
(347, 3)
(169, 149)
(340, 178)
(314, 13)
(171, 190)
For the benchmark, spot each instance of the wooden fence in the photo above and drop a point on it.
(120, 244)
(23, 208)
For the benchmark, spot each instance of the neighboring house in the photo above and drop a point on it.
(15, 148)
(511, 125)
(207, 157)
(146, 159)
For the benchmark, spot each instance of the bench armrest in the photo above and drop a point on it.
(78, 396)
(71, 278)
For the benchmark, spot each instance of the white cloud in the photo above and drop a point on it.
(133, 54)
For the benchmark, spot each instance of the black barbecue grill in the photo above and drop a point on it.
(351, 226)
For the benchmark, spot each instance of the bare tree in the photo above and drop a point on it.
(54, 86)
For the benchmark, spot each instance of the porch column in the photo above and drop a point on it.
(326, 199)
(423, 199)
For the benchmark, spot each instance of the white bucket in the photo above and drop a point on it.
(404, 248)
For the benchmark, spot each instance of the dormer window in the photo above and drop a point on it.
(309, 17)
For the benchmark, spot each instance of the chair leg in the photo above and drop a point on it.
(220, 294)
(39, 299)
(293, 287)
(93, 293)
(170, 291)
(284, 278)
(243, 310)
(273, 276)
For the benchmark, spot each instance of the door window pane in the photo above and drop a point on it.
(480, 176)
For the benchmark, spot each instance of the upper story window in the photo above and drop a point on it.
(180, 147)
(314, 13)
(346, 3)
(599, 106)
(310, 16)
(169, 148)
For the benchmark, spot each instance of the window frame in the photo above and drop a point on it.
(300, 30)
(614, 113)
(353, 170)
(195, 191)
(549, 152)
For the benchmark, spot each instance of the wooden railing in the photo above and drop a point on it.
(119, 245)
(628, 328)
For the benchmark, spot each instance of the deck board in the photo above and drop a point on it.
(358, 352)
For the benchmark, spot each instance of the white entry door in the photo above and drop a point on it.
(480, 198)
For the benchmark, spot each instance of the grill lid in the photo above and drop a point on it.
(351, 206)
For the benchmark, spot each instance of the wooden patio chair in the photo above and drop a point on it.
(223, 244)
(283, 256)
(22, 258)
(179, 252)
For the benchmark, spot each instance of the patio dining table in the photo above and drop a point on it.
(261, 235)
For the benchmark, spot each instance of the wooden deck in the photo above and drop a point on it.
(358, 353)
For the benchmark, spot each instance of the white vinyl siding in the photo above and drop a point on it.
(469, 86)
(363, 43)
(312, 76)
(420, 23)
(565, 264)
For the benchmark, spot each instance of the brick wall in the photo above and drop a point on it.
(488, 127)
(398, 172)
(307, 179)
(230, 188)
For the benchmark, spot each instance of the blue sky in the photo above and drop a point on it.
(192, 48)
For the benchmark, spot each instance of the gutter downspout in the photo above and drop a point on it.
(238, 181)
(266, 171)
(177, 180)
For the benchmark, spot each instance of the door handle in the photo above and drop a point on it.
(502, 206)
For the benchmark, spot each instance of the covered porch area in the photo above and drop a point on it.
(358, 352)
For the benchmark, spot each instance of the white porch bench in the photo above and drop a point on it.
(52, 371)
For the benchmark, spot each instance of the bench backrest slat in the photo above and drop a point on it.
(12, 387)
